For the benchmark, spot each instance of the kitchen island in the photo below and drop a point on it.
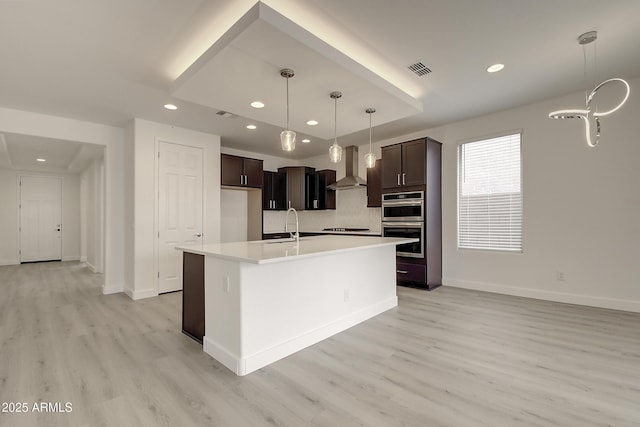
(265, 300)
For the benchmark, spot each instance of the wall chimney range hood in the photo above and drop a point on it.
(351, 180)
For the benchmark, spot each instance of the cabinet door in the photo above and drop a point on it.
(310, 189)
(374, 185)
(391, 166)
(413, 163)
(193, 295)
(295, 187)
(326, 198)
(253, 173)
(231, 170)
(267, 190)
(279, 194)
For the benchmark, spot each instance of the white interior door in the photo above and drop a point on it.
(180, 209)
(40, 219)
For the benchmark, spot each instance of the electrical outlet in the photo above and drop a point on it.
(346, 295)
(560, 276)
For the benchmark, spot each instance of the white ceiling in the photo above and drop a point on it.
(110, 61)
(22, 151)
(245, 64)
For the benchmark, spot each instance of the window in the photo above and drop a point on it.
(490, 194)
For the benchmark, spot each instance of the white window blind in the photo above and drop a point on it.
(490, 194)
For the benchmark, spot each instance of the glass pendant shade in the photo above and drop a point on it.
(288, 140)
(287, 137)
(370, 160)
(335, 153)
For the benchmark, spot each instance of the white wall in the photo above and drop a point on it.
(141, 148)
(581, 207)
(234, 218)
(112, 138)
(91, 195)
(9, 216)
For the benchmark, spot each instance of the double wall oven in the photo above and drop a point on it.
(403, 216)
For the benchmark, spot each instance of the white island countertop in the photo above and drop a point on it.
(279, 250)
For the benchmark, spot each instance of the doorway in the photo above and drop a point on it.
(40, 218)
(180, 204)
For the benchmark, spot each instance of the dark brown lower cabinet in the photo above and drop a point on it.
(193, 296)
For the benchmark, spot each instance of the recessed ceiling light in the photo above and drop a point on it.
(257, 104)
(251, 127)
(40, 159)
(495, 68)
(312, 122)
(170, 107)
(306, 140)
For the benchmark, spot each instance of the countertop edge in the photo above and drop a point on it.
(228, 257)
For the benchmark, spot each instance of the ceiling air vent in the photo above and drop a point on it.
(226, 114)
(419, 68)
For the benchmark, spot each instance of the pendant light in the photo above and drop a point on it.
(590, 113)
(370, 158)
(287, 136)
(335, 151)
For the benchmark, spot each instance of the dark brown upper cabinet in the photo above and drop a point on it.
(403, 165)
(274, 191)
(307, 188)
(318, 196)
(239, 171)
(295, 177)
(374, 185)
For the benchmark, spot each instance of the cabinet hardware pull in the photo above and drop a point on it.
(197, 235)
(398, 179)
(402, 271)
(403, 179)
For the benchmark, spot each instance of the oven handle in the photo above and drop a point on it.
(416, 224)
(418, 202)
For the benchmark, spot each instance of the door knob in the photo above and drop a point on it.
(197, 235)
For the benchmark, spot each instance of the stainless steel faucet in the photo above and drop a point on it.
(293, 235)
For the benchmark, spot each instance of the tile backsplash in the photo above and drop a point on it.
(351, 211)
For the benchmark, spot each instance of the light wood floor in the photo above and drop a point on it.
(451, 357)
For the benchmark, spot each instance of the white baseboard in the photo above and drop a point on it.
(91, 267)
(542, 294)
(9, 262)
(247, 364)
(141, 294)
(83, 259)
(221, 354)
(71, 258)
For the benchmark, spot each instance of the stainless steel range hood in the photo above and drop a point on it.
(351, 180)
